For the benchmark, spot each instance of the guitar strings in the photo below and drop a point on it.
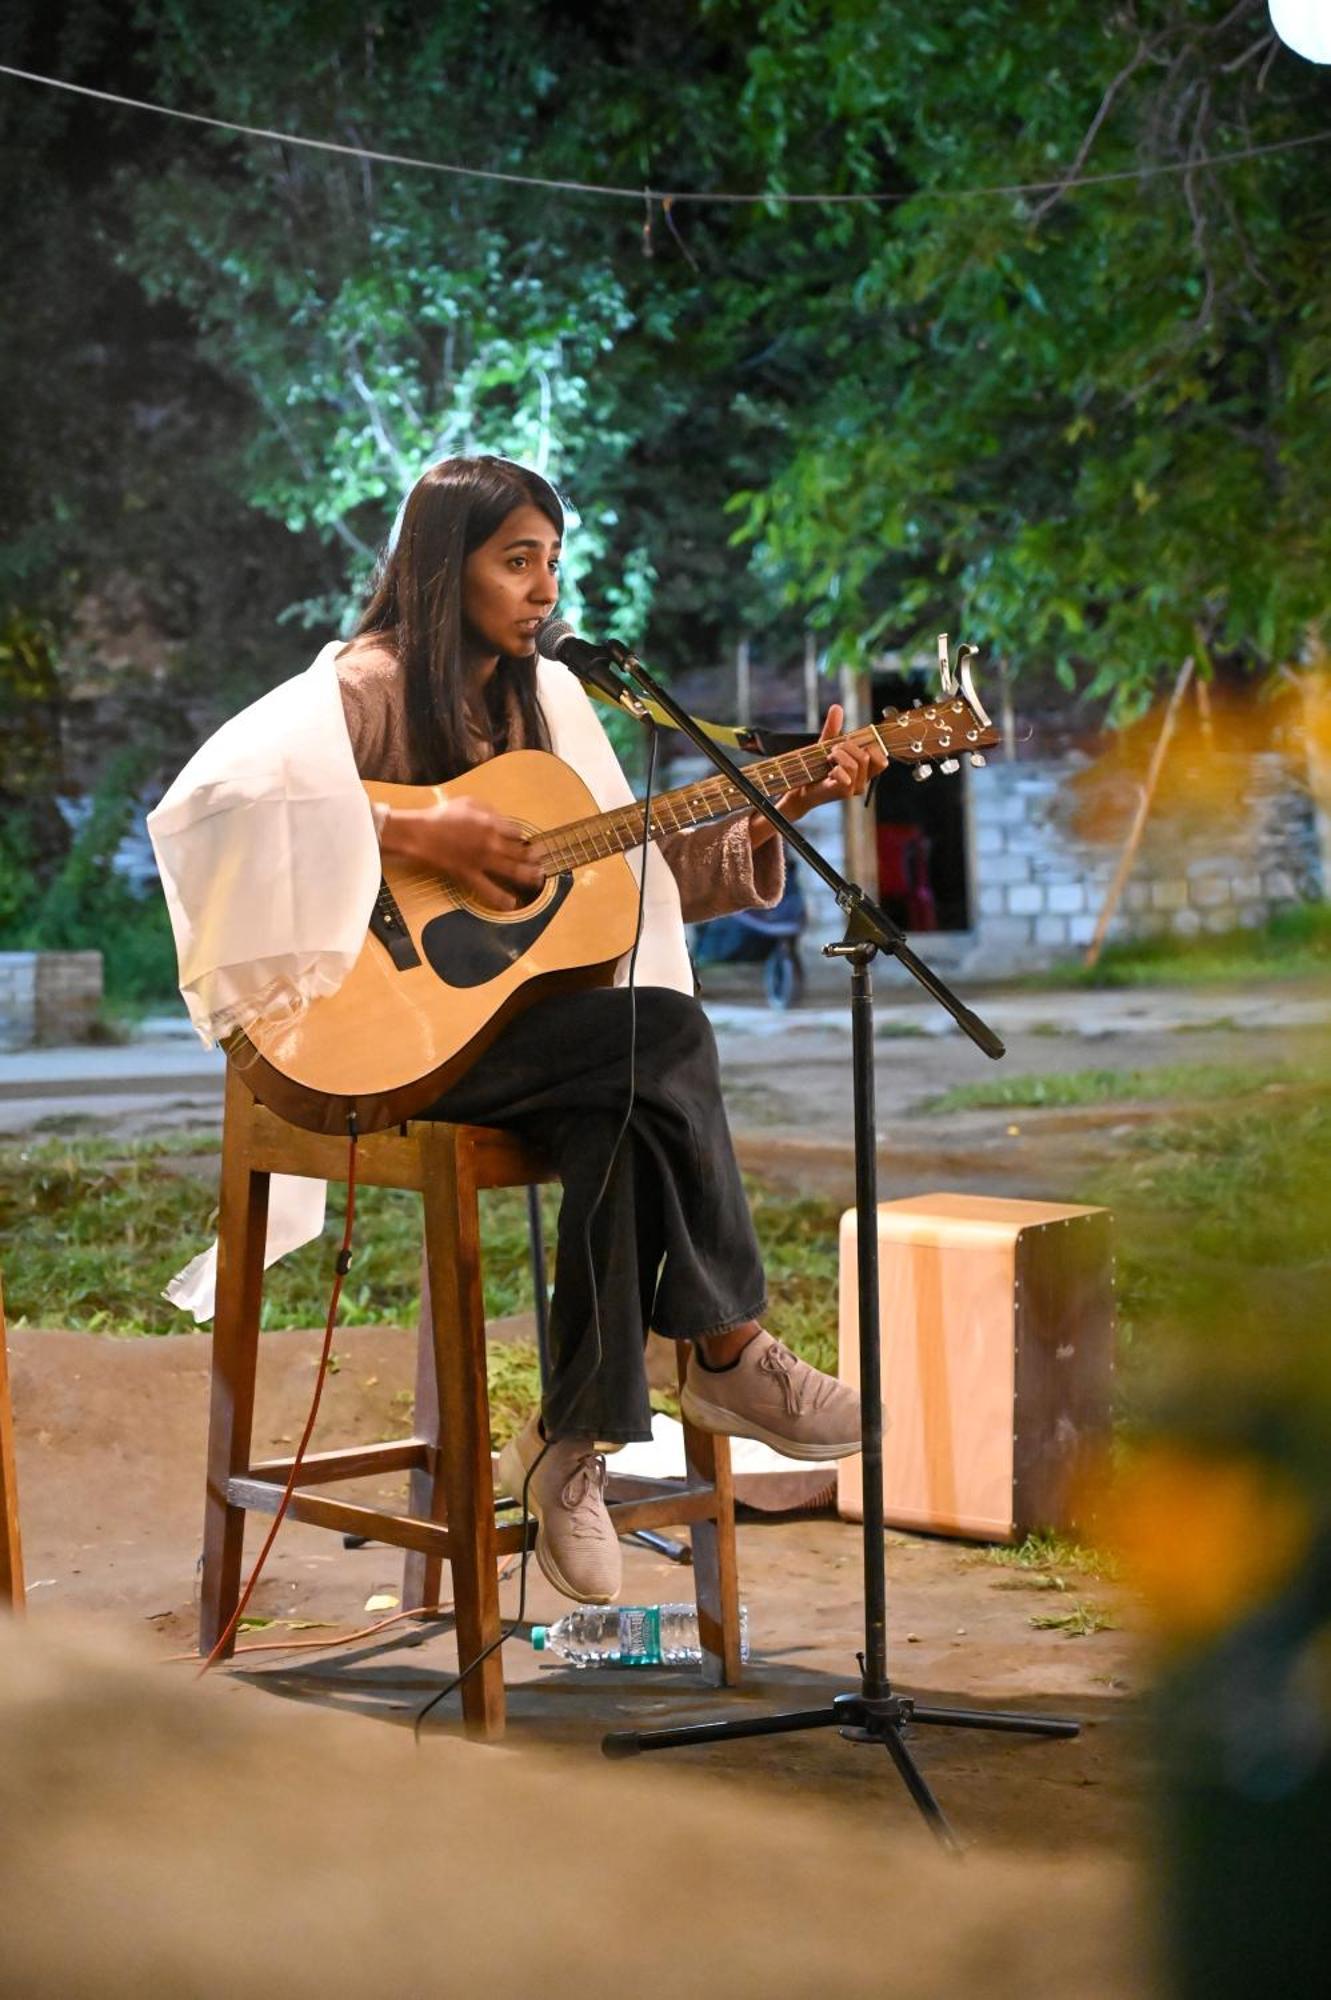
(604, 834)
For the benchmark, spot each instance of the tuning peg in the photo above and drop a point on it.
(921, 772)
(949, 765)
(978, 760)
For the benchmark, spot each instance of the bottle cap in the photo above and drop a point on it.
(538, 1633)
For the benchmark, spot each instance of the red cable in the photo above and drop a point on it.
(343, 1266)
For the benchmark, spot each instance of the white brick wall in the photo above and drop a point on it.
(1038, 888)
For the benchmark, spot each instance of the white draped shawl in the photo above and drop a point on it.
(266, 848)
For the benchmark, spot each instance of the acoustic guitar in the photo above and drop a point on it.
(440, 973)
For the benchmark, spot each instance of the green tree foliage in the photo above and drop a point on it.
(1082, 425)
(379, 319)
(127, 531)
(1085, 425)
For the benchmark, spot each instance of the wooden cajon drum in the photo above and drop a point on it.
(997, 1325)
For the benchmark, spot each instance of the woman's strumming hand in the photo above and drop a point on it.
(488, 856)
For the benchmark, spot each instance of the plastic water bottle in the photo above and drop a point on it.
(629, 1635)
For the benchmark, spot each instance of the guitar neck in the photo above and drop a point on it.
(943, 730)
(675, 812)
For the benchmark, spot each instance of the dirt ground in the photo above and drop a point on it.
(110, 1441)
(111, 1436)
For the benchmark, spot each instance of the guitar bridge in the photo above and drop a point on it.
(386, 923)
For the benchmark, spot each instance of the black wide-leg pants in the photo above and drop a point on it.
(653, 1233)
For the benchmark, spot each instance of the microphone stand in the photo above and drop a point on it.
(875, 1714)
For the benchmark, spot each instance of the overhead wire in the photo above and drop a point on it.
(613, 191)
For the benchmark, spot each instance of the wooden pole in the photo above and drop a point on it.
(861, 827)
(1128, 857)
(812, 719)
(1007, 715)
(11, 1551)
(1204, 715)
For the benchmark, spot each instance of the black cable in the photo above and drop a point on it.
(451, 1687)
(631, 984)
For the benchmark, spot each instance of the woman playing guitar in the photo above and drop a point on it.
(620, 1090)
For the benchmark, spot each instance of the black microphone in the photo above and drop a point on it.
(593, 665)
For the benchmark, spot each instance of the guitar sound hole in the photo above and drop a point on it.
(467, 948)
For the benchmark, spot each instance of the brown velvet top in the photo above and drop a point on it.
(715, 866)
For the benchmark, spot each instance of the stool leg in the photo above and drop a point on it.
(11, 1549)
(422, 1575)
(715, 1570)
(463, 1487)
(241, 1228)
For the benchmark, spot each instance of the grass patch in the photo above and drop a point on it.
(1197, 1082)
(514, 1373)
(1081, 1622)
(1045, 1552)
(1295, 944)
(1224, 1260)
(799, 1238)
(1224, 1269)
(97, 1226)
(1227, 1209)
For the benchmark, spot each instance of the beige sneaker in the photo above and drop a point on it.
(771, 1395)
(576, 1544)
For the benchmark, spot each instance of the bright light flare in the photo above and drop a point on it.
(1304, 26)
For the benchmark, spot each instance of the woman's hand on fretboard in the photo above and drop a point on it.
(852, 769)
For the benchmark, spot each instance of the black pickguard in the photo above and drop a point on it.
(465, 949)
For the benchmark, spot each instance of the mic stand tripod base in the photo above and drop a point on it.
(860, 1718)
(875, 1715)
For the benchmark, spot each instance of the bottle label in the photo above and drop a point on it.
(640, 1635)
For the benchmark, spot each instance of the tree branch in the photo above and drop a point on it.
(1116, 84)
(387, 444)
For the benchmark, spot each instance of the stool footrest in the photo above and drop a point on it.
(685, 1504)
(403, 1531)
(318, 1468)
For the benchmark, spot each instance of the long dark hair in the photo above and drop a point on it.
(416, 608)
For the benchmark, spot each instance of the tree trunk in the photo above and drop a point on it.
(1134, 840)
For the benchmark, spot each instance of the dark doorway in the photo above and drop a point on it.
(923, 866)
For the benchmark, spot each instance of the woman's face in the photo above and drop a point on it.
(511, 583)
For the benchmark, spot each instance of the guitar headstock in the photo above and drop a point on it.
(942, 731)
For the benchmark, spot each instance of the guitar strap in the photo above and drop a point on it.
(732, 735)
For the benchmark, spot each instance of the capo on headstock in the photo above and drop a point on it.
(958, 682)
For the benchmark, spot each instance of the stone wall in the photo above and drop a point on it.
(1228, 860)
(48, 996)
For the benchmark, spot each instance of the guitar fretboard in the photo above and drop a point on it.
(939, 730)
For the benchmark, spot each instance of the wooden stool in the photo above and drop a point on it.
(451, 1495)
(11, 1550)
